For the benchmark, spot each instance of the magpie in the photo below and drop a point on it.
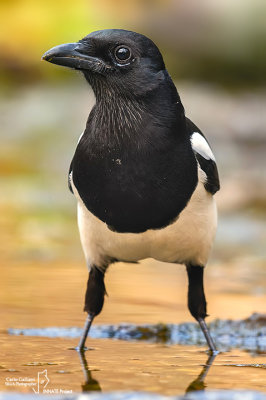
(143, 174)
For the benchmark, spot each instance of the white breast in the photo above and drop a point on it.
(187, 240)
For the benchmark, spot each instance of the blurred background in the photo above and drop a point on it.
(215, 52)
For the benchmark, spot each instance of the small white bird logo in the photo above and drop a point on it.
(43, 381)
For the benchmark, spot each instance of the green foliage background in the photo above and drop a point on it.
(221, 42)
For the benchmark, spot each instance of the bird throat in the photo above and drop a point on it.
(117, 119)
(114, 118)
(121, 116)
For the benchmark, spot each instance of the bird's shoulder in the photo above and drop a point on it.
(204, 156)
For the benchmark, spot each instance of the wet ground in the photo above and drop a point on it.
(122, 366)
(138, 294)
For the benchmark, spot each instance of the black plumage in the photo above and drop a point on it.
(136, 167)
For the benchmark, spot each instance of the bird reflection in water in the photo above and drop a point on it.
(92, 385)
(198, 383)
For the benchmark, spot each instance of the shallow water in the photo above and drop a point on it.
(118, 365)
(51, 294)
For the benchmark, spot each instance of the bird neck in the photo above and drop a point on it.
(118, 118)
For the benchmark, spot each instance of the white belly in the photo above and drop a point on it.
(188, 240)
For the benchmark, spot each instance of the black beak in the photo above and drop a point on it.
(70, 55)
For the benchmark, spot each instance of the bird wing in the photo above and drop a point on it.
(70, 168)
(205, 157)
(69, 178)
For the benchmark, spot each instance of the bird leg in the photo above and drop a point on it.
(94, 300)
(197, 303)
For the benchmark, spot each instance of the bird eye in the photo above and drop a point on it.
(122, 54)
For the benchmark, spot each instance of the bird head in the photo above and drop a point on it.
(124, 61)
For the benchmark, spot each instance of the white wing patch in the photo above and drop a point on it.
(200, 145)
(80, 137)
